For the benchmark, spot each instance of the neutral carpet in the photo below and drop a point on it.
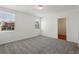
(39, 45)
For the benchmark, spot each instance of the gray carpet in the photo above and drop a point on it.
(39, 45)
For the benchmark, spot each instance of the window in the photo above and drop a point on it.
(37, 25)
(7, 21)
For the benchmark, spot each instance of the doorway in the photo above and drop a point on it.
(62, 28)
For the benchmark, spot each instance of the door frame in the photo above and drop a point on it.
(66, 28)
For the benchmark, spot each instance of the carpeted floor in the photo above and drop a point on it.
(39, 45)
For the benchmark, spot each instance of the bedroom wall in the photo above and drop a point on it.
(24, 27)
(50, 28)
(49, 25)
(78, 26)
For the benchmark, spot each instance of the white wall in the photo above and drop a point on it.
(50, 28)
(24, 27)
(49, 25)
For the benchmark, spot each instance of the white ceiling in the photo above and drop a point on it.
(47, 9)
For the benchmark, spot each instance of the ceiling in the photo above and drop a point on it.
(47, 9)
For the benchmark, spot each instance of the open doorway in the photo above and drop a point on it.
(62, 28)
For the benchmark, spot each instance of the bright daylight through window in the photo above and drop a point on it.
(7, 21)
